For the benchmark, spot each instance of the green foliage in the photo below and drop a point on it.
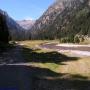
(63, 40)
(69, 39)
(76, 39)
(82, 39)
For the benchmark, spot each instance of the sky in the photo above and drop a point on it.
(25, 9)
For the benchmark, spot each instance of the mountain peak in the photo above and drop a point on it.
(26, 24)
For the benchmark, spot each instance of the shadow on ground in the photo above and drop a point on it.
(21, 77)
(46, 57)
(5, 47)
(33, 78)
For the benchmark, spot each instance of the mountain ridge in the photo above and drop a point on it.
(58, 19)
(26, 24)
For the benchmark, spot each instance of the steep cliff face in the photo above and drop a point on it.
(62, 19)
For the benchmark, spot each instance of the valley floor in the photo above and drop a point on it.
(36, 65)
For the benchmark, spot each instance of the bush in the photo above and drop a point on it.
(82, 39)
(63, 40)
(76, 39)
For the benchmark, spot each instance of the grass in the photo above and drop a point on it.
(45, 58)
(33, 44)
(56, 71)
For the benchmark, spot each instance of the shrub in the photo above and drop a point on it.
(76, 39)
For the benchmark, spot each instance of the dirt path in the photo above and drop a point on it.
(64, 47)
(12, 55)
(17, 77)
(77, 50)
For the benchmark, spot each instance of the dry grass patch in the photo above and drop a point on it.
(39, 58)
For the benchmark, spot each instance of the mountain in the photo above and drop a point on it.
(63, 19)
(26, 24)
(15, 30)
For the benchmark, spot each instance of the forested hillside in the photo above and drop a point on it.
(15, 30)
(65, 19)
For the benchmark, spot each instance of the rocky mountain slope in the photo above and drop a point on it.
(65, 18)
(26, 24)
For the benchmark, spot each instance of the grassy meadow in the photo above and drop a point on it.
(54, 61)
